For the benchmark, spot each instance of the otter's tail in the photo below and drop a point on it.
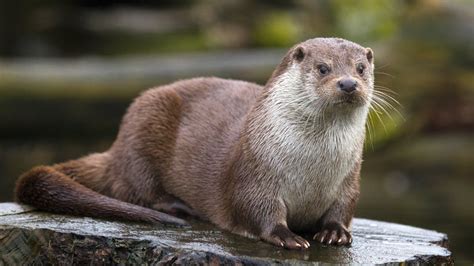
(48, 189)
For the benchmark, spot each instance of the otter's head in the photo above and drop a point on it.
(333, 74)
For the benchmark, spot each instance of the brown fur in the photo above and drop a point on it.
(185, 147)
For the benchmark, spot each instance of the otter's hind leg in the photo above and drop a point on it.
(174, 206)
(144, 150)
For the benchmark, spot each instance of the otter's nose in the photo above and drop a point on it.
(347, 85)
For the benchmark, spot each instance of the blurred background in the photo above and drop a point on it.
(69, 69)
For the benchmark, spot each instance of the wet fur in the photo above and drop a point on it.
(253, 160)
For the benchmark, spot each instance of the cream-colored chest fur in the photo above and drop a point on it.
(310, 169)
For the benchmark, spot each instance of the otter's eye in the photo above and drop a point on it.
(323, 69)
(360, 68)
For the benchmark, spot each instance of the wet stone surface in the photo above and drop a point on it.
(32, 237)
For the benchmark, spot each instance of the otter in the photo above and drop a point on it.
(271, 162)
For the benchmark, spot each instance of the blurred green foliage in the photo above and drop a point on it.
(367, 19)
(276, 29)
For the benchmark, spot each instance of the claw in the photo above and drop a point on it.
(334, 234)
(282, 236)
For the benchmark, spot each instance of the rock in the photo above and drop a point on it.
(32, 237)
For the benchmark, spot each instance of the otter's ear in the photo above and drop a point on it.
(370, 54)
(299, 54)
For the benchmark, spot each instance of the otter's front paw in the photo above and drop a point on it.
(333, 233)
(283, 237)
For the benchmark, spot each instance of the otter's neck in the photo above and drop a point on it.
(286, 100)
